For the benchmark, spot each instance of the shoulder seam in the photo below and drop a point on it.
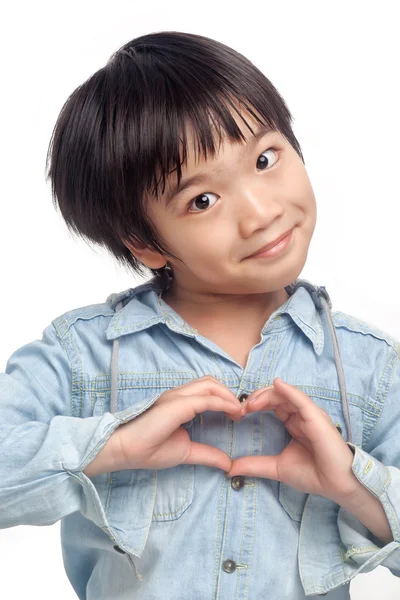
(69, 321)
(369, 330)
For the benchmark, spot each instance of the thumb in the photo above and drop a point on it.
(202, 454)
(255, 466)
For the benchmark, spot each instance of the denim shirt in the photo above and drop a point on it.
(191, 532)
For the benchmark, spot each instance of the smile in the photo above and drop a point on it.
(275, 248)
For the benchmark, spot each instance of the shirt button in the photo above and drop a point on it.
(118, 549)
(243, 397)
(229, 566)
(237, 482)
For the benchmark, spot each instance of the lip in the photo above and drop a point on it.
(274, 247)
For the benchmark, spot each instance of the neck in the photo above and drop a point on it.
(217, 309)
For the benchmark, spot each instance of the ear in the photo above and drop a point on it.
(146, 255)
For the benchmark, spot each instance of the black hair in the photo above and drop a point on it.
(122, 132)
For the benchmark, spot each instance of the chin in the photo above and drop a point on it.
(292, 271)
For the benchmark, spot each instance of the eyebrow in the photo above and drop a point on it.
(184, 184)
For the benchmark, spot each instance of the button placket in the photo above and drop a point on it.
(238, 482)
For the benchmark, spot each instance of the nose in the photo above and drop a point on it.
(257, 208)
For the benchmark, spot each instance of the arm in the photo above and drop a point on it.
(369, 519)
(43, 449)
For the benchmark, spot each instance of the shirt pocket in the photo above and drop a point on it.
(174, 487)
(292, 500)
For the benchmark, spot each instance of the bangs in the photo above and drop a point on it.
(160, 101)
(208, 125)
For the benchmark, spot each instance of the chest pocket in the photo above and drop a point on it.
(292, 500)
(174, 487)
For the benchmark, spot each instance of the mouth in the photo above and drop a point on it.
(275, 247)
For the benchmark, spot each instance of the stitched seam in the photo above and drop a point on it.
(149, 373)
(129, 328)
(379, 336)
(111, 484)
(71, 319)
(92, 393)
(255, 500)
(217, 559)
(273, 359)
(388, 366)
(73, 370)
(232, 427)
(253, 419)
(359, 550)
(187, 491)
(214, 358)
(246, 502)
(387, 503)
(307, 325)
(242, 542)
(99, 401)
(280, 329)
(80, 376)
(372, 488)
(263, 361)
(70, 363)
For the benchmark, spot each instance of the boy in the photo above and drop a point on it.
(133, 421)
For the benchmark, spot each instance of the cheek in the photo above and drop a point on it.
(203, 242)
(312, 207)
(307, 201)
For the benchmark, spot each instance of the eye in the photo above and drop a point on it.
(264, 160)
(202, 201)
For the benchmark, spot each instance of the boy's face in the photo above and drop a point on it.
(246, 197)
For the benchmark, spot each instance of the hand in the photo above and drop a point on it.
(317, 460)
(156, 440)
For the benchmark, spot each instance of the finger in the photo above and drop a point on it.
(206, 385)
(285, 396)
(237, 417)
(255, 466)
(202, 454)
(183, 409)
(267, 399)
(257, 393)
(298, 398)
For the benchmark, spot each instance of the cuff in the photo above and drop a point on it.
(360, 545)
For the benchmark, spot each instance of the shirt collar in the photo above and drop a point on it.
(143, 307)
(301, 310)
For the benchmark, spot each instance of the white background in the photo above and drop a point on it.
(337, 66)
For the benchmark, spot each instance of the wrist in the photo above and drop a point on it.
(106, 461)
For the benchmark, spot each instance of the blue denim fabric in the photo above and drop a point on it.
(187, 532)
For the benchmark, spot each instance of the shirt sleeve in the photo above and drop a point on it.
(43, 447)
(377, 467)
